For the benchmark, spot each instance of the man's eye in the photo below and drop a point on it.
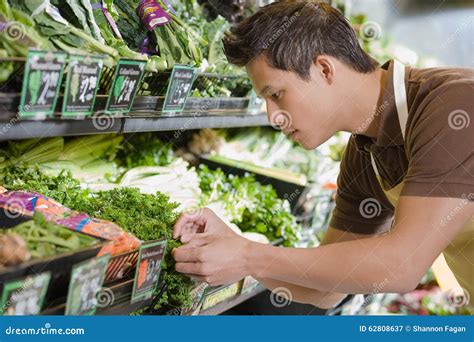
(276, 96)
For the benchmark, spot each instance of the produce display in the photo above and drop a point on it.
(251, 206)
(270, 153)
(45, 239)
(134, 195)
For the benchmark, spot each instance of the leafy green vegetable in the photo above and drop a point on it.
(253, 207)
(144, 149)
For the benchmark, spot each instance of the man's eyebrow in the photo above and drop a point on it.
(263, 91)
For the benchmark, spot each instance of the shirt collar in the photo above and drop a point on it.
(389, 133)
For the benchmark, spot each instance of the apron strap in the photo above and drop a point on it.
(400, 94)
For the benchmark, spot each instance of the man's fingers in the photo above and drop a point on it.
(194, 240)
(194, 268)
(198, 238)
(188, 224)
(187, 254)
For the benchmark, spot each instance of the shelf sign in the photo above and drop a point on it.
(82, 83)
(86, 281)
(41, 82)
(179, 87)
(25, 296)
(148, 270)
(256, 104)
(127, 79)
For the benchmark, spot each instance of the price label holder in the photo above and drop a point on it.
(197, 296)
(256, 104)
(127, 79)
(86, 281)
(25, 296)
(148, 270)
(82, 83)
(249, 284)
(179, 87)
(41, 83)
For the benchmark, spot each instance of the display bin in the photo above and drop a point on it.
(60, 267)
(291, 191)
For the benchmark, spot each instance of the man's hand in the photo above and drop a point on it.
(213, 252)
(215, 259)
(205, 221)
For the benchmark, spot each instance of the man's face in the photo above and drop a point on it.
(305, 110)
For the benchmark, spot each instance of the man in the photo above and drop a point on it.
(406, 182)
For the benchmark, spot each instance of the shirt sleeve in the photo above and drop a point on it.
(361, 205)
(441, 145)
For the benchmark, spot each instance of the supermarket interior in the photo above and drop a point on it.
(142, 166)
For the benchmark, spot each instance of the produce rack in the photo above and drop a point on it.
(145, 116)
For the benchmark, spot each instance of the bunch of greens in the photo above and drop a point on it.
(20, 33)
(253, 207)
(62, 188)
(89, 158)
(45, 239)
(58, 30)
(144, 150)
(148, 217)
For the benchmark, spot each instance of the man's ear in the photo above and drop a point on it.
(325, 68)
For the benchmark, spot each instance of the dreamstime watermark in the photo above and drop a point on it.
(458, 119)
(14, 30)
(370, 208)
(192, 208)
(280, 119)
(102, 121)
(377, 288)
(293, 196)
(6, 127)
(466, 199)
(26, 285)
(370, 30)
(458, 297)
(14, 208)
(376, 112)
(459, 29)
(46, 330)
(287, 22)
(189, 123)
(105, 297)
(281, 297)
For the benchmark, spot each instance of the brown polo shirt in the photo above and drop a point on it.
(436, 159)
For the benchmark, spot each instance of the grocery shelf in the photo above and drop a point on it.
(230, 303)
(144, 117)
(25, 129)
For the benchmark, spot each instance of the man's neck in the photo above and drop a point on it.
(364, 116)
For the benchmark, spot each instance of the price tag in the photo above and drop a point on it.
(256, 104)
(86, 281)
(148, 270)
(25, 296)
(128, 77)
(179, 87)
(82, 83)
(41, 83)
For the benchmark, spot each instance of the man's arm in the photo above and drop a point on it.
(321, 299)
(398, 259)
